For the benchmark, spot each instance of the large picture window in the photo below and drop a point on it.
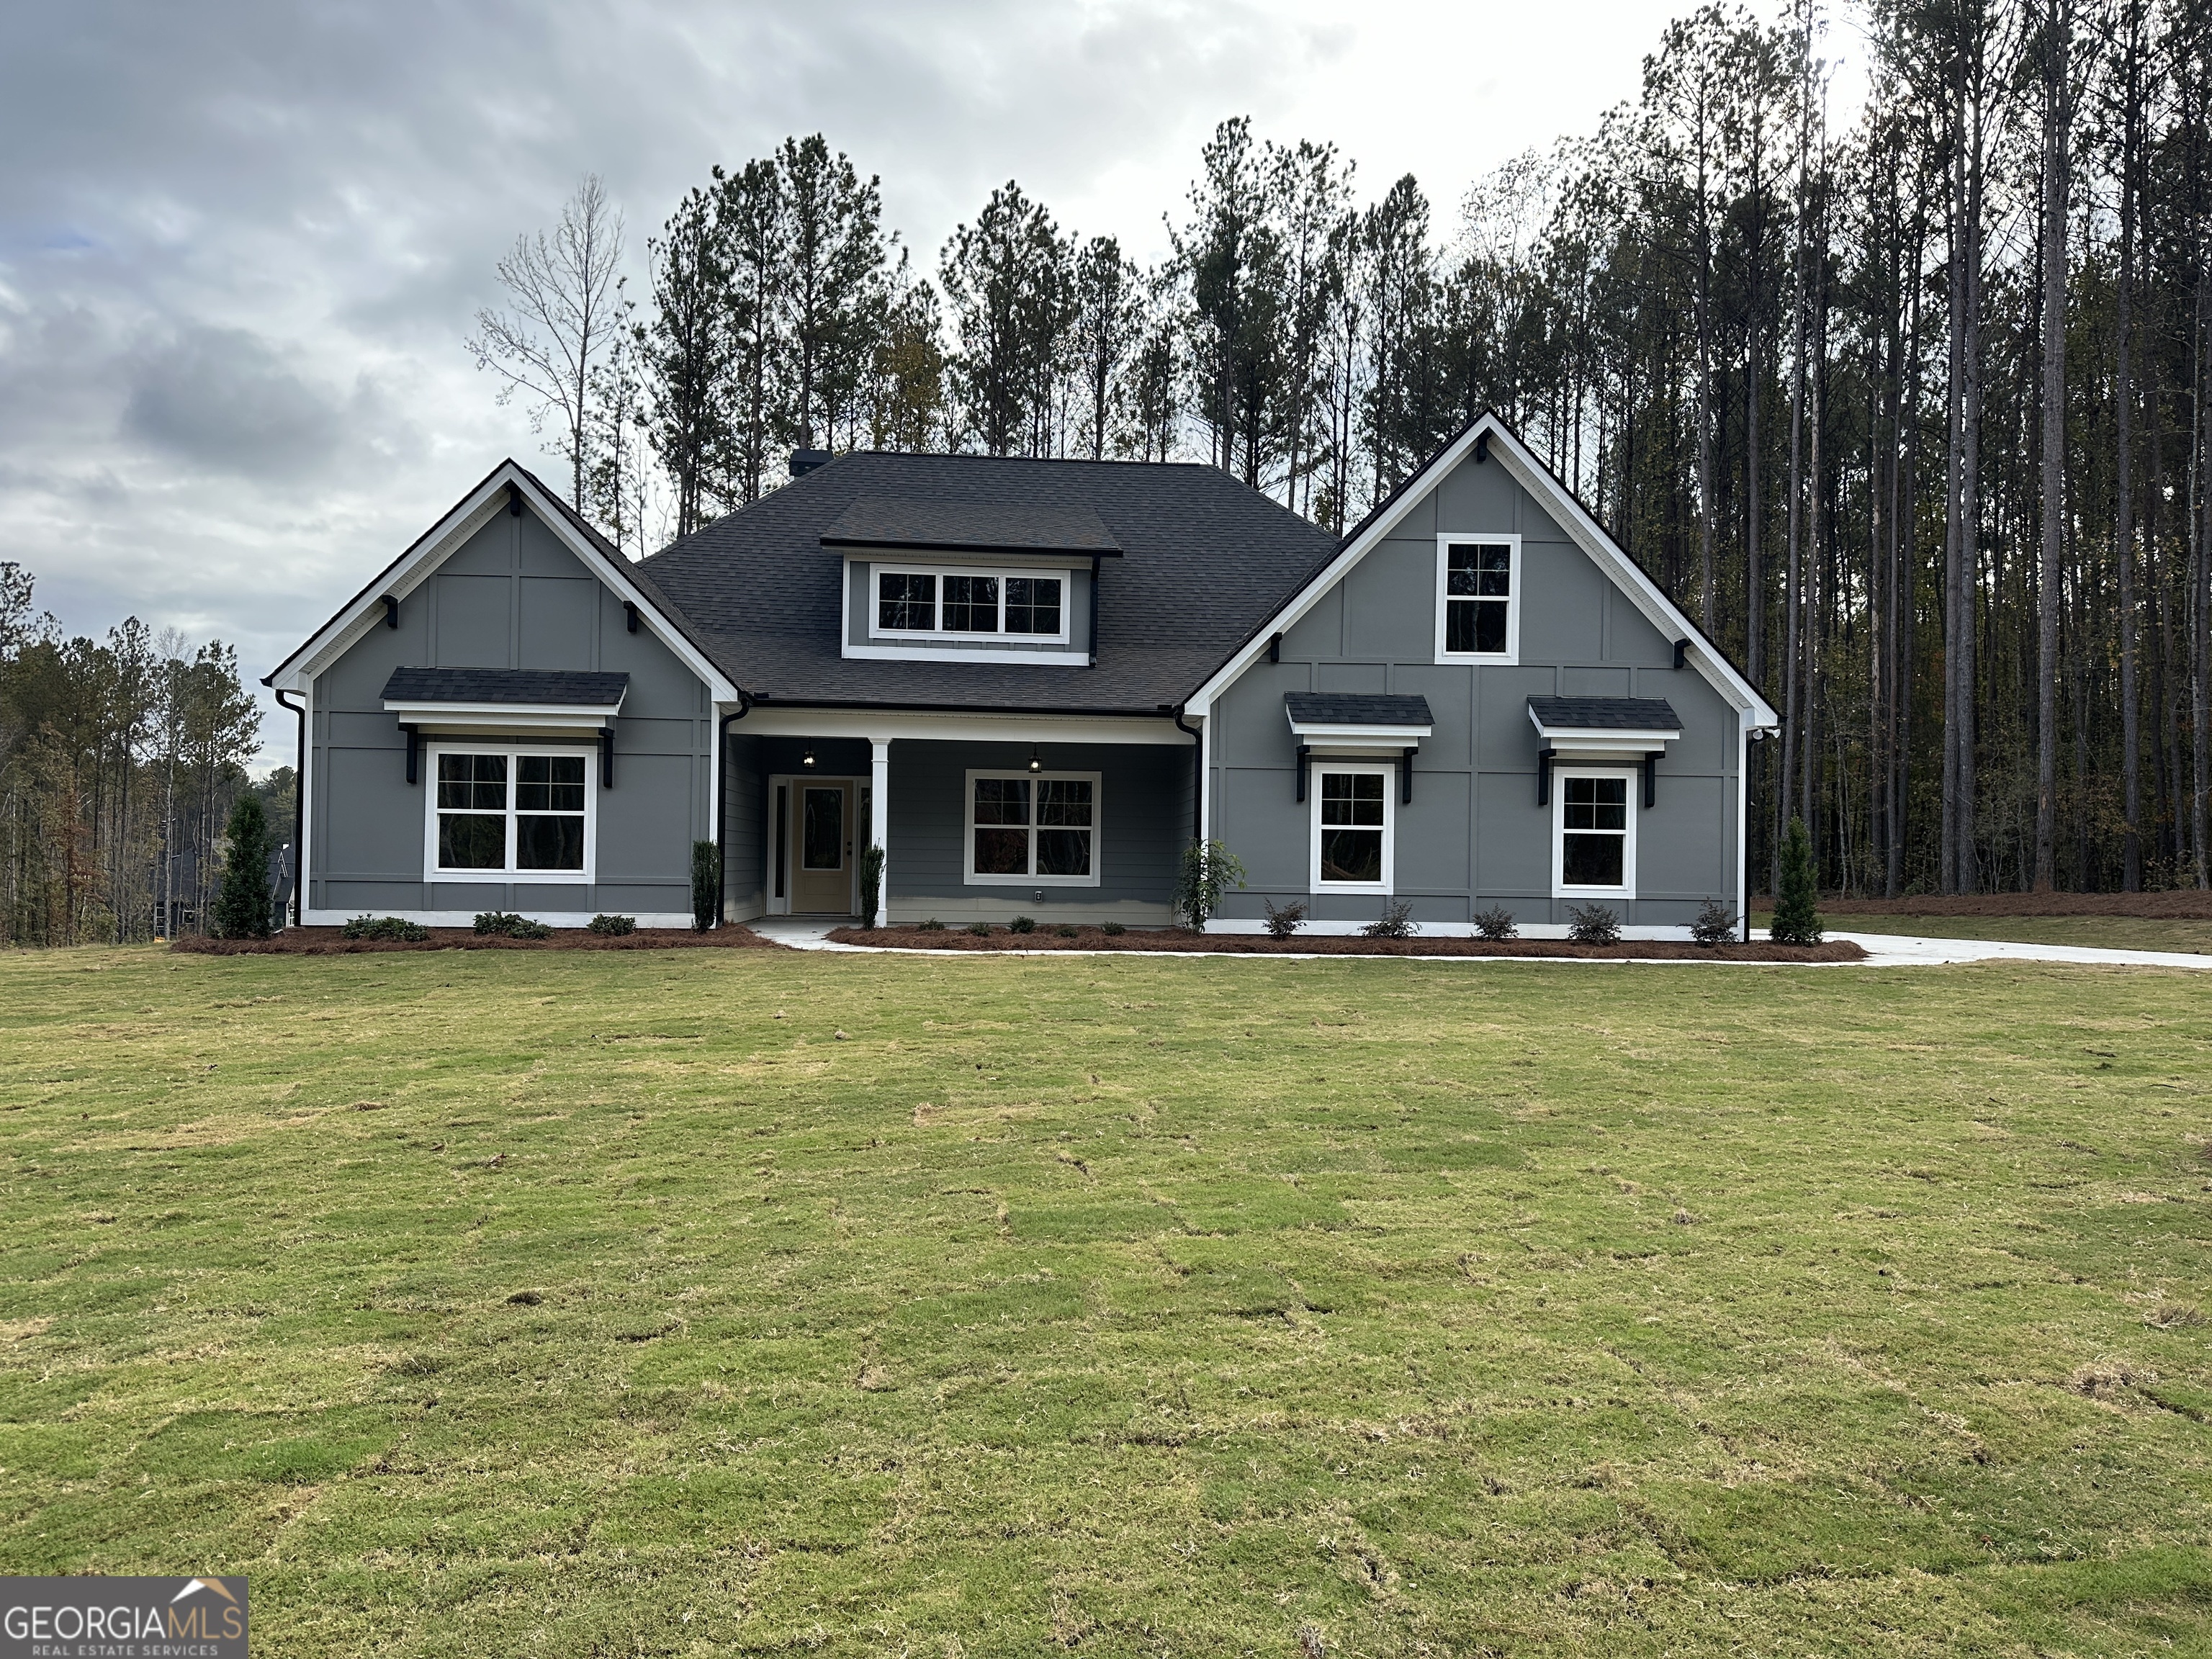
(1352, 812)
(970, 605)
(1479, 598)
(1039, 829)
(1594, 832)
(523, 814)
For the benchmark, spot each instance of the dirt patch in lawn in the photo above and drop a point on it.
(2185, 905)
(333, 942)
(1335, 945)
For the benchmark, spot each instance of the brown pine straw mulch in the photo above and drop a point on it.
(2187, 904)
(1140, 940)
(333, 942)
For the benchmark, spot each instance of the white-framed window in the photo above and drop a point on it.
(502, 813)
(1032, 830)
(1354, 807)
(959, 606)
(1594, 831)
(1479, 598)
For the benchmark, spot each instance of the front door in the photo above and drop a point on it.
(822, 847)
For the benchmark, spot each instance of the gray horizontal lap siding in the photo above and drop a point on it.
(512, 597)
(1474, 835)
(1143, 797)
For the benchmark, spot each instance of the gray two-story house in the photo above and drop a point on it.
(1032, 683)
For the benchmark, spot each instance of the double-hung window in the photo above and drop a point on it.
(1594, 832)
(1353, 807)
(970, 605)
(1033, 828)
(1479, 598)
(506, 813)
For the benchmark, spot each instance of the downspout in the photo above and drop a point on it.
(299, 812)
(721, 799)
(1094, 613)
(1198, 773)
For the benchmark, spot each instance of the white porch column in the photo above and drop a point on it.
(880, 821)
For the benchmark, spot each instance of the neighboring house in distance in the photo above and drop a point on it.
(1032, 683)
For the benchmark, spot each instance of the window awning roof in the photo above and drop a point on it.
(938, 527)
(1362, 716)
(1608, 722)
(512, 696)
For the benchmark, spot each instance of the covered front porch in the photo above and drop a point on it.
(979, 817)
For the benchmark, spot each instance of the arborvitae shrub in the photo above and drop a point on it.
(1796, 906)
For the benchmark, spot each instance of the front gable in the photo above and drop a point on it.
(1580, 596)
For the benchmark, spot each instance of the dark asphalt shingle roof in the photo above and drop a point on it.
(1204, 562)
(570, 688)
(968, 528)
(1607, 713)
(1356, 708)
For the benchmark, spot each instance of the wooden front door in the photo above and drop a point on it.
(821, 839)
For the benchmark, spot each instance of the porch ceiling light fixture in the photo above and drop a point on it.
(807, 760)
(1037, 764)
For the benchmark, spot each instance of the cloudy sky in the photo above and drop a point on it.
(241, 241)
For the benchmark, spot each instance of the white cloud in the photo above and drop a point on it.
(241, 242)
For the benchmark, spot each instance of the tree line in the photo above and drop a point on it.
(1906, 412)
(120, 760)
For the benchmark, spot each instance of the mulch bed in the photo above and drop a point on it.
(333, 942)
(2187, 904)
(1139, 940)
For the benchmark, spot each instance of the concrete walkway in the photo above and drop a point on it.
(1883, 951)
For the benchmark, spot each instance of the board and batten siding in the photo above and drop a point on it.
(510, 596)
(1474, 835)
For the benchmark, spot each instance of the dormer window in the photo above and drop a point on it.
(970, 605)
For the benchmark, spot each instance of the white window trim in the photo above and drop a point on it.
(1634, 776)
(1389, 774)
(968, 876)
(1511, 654)
(955, 641)
(431, 869)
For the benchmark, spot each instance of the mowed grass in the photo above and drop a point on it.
(617, 1304)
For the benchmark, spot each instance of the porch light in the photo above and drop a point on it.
(808, 759)
(1035, 764)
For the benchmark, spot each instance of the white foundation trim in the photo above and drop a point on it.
(1533, 930)
(467, 917)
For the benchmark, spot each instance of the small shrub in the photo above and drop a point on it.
(617, 926)
(1022, 925)
(1064, 931)
(505, 924)
(872, 885)
(397, 927)
(1283, 920)
(1715, 924)
(1114, 930)
(706, 885)
(1496, 924)
(981, 929)
(929, 925)
(1796, 910)
(1593, 924)
(1208, 869)
(1396, 922)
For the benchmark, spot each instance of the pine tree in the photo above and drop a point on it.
(1796, 916)
(241, 908)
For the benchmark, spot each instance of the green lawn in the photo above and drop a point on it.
(2105, 933)
(1130, 1306)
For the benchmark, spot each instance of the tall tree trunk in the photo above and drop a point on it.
(2049, 584)
(2124, 459)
